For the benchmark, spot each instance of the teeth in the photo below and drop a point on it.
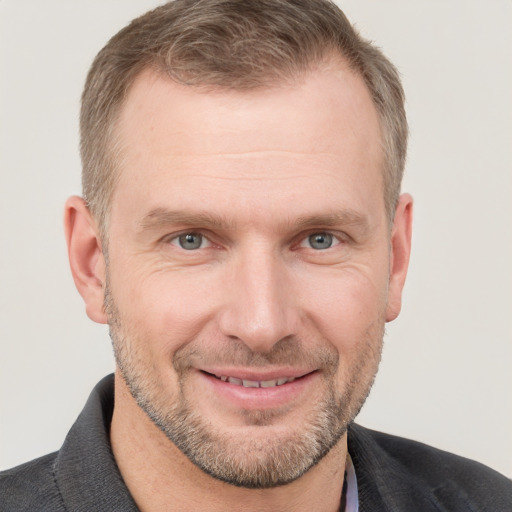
(256, 383)
(250, 384)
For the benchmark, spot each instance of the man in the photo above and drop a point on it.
(243, 234)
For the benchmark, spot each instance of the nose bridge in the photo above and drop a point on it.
(259, 311)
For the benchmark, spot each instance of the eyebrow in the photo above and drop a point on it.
(162, 217)
(332, 219)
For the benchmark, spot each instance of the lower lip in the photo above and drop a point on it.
(259, 398)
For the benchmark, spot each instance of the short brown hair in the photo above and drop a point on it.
(235, 44)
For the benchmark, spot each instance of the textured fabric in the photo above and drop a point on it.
(82, 476)
(393, 474)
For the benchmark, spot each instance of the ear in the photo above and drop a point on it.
(400, 252)
(86, 257)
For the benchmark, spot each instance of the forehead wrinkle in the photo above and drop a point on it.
(263, 151)
(250, 176)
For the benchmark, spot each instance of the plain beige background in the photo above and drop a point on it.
(446, 375)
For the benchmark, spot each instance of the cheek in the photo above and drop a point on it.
(348, 310)
(344, 305)
(166, 309)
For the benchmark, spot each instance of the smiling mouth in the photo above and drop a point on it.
(246, 383)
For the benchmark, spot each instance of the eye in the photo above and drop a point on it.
(320, 241)
(191, 241)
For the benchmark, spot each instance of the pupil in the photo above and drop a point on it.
(190, 241)
(320, 241)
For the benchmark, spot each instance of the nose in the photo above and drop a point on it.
(260, 309)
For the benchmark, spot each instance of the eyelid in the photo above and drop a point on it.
(339, 237)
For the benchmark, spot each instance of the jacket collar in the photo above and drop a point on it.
(85, 470)
(397, 475)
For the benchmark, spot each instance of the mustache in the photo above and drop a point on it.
(288, 351)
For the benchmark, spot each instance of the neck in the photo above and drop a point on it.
(157, 474)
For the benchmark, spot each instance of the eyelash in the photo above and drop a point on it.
(335, 239)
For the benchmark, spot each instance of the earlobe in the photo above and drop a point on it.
(85, 256)
(400, 252)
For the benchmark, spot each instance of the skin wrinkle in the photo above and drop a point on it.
(174, 263)
(249, 154)
(238, 178)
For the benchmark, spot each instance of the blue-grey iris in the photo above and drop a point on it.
(320, 241)
(190, 241)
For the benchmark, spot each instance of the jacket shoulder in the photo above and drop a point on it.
(427, 460)
(453, 482)
(31, 487)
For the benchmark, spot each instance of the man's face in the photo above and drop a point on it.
(249, 268)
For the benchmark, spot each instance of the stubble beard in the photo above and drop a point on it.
(253, 462)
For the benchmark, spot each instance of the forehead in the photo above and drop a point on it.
(320, 132)
(154, 102)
